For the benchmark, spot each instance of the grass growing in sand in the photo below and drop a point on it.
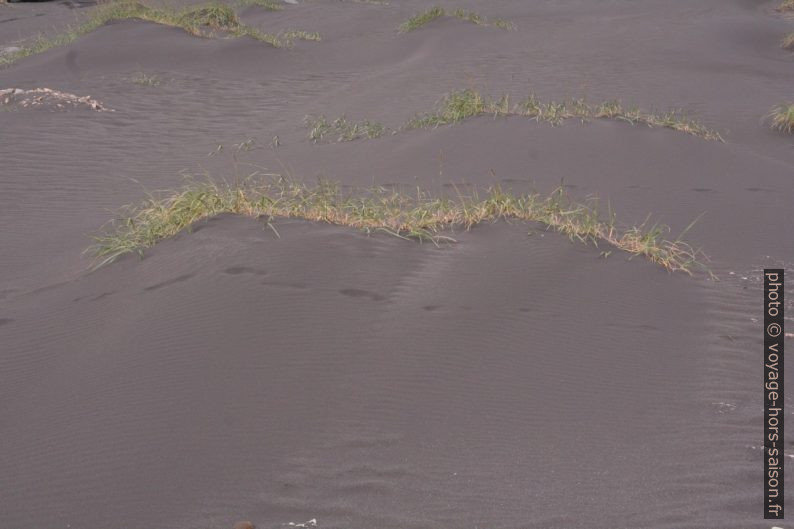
(200, 21)
(341, 129)
(418, 216)
(203, 21)
(788, 42)
(464, 104)
(786, 5)
(476, 18)
(781, 118)
(433, 13)
(269, 5)
(420, 19)
(144, 79)
(291, 34)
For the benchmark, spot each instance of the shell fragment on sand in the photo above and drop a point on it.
(47, 97)
(310, 523)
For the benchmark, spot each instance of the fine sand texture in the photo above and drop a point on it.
(300, 370)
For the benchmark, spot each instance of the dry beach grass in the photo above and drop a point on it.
(418, 215)
(781, 118)
(209, 20)
(464, 104)
(425, 17)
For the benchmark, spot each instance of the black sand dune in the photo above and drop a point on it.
(504, 381)
(368, 381)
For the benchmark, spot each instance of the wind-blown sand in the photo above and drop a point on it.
(504, 381)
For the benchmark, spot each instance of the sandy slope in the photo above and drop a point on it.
(506, 381)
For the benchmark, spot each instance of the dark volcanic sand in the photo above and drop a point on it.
(506, 381)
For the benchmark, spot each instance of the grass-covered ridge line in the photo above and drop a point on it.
(204, 21)
(464, 104)
(417, 215)
(425, 17)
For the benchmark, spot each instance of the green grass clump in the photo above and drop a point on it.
(476, 18)
(420, 19)
(269, 5)
(788, 42)
(782, 118)
(417, 215)
(144, 79)
(269, 38)
(291, 35)
(341, 129)
(285, 39)
(425, 17)
(463, 104)
(214, 16)
(455, 107)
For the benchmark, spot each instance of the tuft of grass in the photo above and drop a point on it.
(786, 5)
(285, 39)
(503, 24)
(269, 5)
(291, 35)
(144, 79)
(456, 106)
(418, 215)
(274, 40)
(781, 118)
(476, 18)
(341, 129)
(427, 16)
(213, 16)
(463, 104)
(420, 19)
(788, 42)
